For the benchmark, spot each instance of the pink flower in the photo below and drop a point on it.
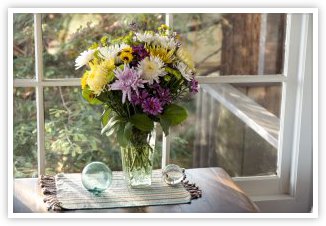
(128, 80)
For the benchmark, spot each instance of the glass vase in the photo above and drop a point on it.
(137, 159)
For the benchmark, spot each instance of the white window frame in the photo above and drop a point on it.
(290, 185)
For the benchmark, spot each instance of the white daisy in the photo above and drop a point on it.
(84, 58)
(165, 41)
(111, 52)
(184, 70)
(108, 52)
(145, 37)
(151, 68)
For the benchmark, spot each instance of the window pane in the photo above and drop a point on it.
(214, 137)
(23, 45)
(233, 44)
(268, 95)
(67, 35)
(73, 133)
(24, 133)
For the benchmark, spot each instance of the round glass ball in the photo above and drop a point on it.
(96, 177)
(172, 174)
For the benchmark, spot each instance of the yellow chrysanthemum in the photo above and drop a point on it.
(102, 66)
(185, 56)
(96, 82)
(126, 57)
(164, 27)
(83, 80)
(127, 49)
(99, 75)
(108, 65)
(163, 53)
(104, 40)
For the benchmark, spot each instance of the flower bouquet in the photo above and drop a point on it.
(138, 78)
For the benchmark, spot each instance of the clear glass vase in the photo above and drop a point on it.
(137, 159)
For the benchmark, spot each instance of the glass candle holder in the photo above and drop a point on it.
(172, 174)
(96, 177)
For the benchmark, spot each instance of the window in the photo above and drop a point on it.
(246, 118)
(68, 129)
(233, 46)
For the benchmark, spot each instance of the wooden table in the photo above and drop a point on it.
(219, 195)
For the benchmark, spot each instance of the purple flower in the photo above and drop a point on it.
(128, 80)
(193, 86)
(139, 98)
(164, 95)
(155, 86)
(152, 106)
(140, 51)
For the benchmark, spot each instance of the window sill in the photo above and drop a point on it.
(220, 195)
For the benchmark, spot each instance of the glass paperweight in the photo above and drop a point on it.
(172, 174)
(96, 177)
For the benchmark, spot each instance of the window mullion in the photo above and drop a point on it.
(166, 139)
(290, 96)
(216, 78)
(39, 92)
(165, 150)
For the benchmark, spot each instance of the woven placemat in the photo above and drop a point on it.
(65, 191)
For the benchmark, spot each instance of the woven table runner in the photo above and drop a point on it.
(65, 191)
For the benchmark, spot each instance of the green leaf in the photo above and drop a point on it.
(142, 122)
(110, 76)
(167, 78)
(90, 97)
(112, 130)
(123, 141)
(128, 130)
(105, 116)
(165, 124)
(102, 97)
(174, 114)
(111, 124)
(174, 72)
